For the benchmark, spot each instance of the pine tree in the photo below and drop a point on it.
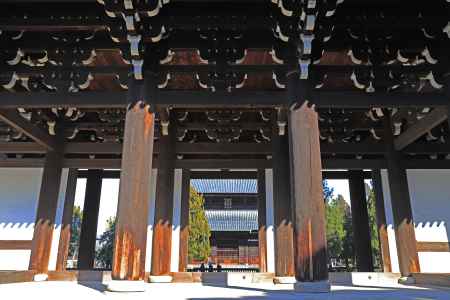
(375, 242)
(75, 230)
(199, 230)
(103, 256)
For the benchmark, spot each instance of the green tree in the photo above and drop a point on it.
(199, 230)
(103, 255)
(327, 191)
(75, 230)
(375, 242)
(335, 218)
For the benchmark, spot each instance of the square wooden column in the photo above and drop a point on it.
(64, 238)
(162, 230)
(88, 235)
(132, 212)
(262, 229)
(307, 196)
(46, 212)
(184, 230)
(360, 221)
(381, 221)
(405, 237)
(284, 231)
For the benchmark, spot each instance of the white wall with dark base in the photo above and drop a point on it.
(430, 200)
(19, 193)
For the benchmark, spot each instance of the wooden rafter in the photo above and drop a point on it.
(13, 119)
(413, 133)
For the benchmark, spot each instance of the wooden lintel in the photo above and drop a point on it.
(421, 127)
(338, 99)
(15, 120)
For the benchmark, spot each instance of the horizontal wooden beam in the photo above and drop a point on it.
(189, 99)
(15, 120)
(15, 244)
(21, 147)
(421, 127)
(433, 246)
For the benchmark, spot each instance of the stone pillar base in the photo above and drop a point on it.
(40, 277)
(284, 280)
(313, 287)
(160, 279)
(126, 286)
(407, 280)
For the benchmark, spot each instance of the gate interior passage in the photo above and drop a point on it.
(283, 87)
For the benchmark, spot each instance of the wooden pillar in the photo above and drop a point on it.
(360, 221)
(184, 232)
(284, 231)
(381, 221)
(307, 196)
(401, 205)
(88, 235)
(262, 229)
(132, 212)
(64, 238)
(162, 232)
(46, 211)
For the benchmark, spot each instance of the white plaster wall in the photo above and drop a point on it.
(270, 221)
(176, 220)
(19, 190)
(19, 193)
(58, 220)
(430, 199)
(151, 221)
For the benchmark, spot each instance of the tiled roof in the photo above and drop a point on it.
(228, 186)
(232, 220)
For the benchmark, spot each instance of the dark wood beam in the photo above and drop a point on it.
(21, 147)
(381, 221)
(224, 174)
(184, 222)
(401, 205)
(88, 234)
(15, 120)
(64, 237)
(162, 229)
(262, 228)
(223, 163)
(360, 222)
(421, 127)
(282, 206)
(190, 99)
(46, 212)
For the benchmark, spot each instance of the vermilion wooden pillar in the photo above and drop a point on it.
(360, 221)
(307, 196)
(381, 221)
(162, 230)
(284, 231)
(88, 235)
(405, 237)
(184, 230)
(262, 229)
(132, 211)
(64, 238)
(46, 211)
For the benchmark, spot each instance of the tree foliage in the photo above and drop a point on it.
(103, 255)
(75, 230)
(199, 230)
(374, 237)
(340, 229)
